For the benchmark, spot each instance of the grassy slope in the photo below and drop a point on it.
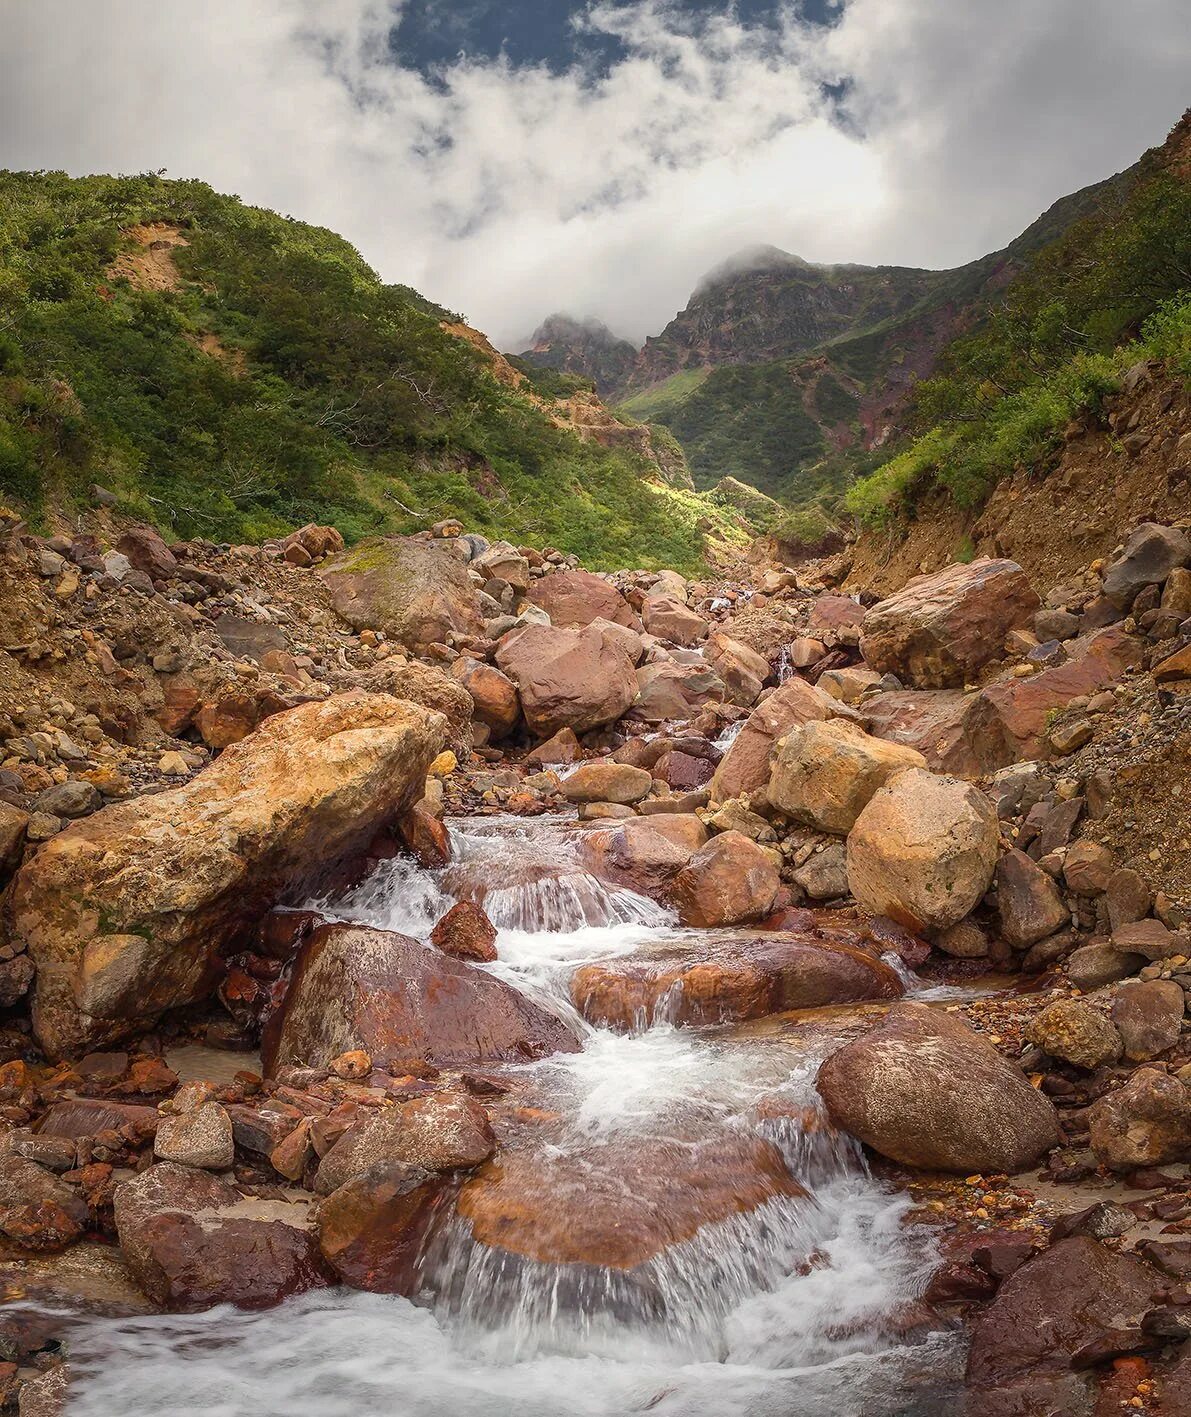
(322, 394)
(1112, 289)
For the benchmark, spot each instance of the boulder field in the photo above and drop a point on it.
(813, 804)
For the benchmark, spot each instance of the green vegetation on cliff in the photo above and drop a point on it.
(1114, 289)
(230, 373)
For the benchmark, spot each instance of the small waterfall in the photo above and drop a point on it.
(790, 1305)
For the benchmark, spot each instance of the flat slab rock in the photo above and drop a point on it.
(620, 1205)
(356, 988)
(729, 978)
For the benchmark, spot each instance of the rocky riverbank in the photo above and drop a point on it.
(271, 1018)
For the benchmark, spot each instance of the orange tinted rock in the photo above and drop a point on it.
(745, 766)
(729, 980)
(493, 693)
(125, 911)
(465, 932)
(728, 881)
(627, 1205)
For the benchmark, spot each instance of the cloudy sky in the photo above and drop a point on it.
(514, 157)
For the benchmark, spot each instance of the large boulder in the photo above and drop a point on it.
(939, 630)
(1147, 1122)
(672, 620)
(1073, 1304)
(824, 773)
(742, 669)
(1008, 721)
(728, 980)
(576, 679)
(192, 1241)
(921, 1088)
(728, 881)
(355, 988)
(923, 850)
(675, 692)
(1029, 902)
(417, 592)
(373, 1230)
(493, 694)
(1148, 558)
(745, 766)
(126, 911)
(429, 686)
(933, 721)
(573, 599)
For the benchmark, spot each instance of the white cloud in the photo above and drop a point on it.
(507, 193)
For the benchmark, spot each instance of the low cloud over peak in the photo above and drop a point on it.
(609, 176)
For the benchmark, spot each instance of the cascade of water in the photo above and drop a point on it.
(788, 1309)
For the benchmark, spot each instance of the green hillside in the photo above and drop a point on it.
(231, 373)
(1114, 288)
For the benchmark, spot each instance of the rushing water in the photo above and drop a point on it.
(796, 1309)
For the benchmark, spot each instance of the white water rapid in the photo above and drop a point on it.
(801, 1308)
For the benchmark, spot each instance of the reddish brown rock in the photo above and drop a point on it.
(125, 911)
(745, 767)
(1149, 1017)
(675, 692)
(923, 851)
(632, 1202)
(923, 1089)
(441, 1132)
(728, 881)
(192, 1241)
(1029, 902)
(728, 980)
(37, 1210)
(465, 932)
(82, 1117)
(573, 599)
(562, 748)
(742, 669)
(932, 721)
(1075, 1303)
(372, 1230)
(1009, 721)
(425, 836)
(1147, 1122)
(236, 713)
(398, 999)
(574, 679)
(147, 552)
(418, 592)
(494, 695)
(670, 619)
(835, 619)
(940, 629)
